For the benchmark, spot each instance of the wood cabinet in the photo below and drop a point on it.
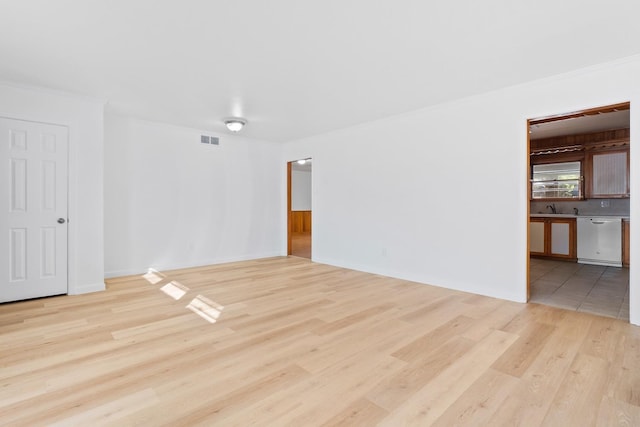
(626, 233)
(537, 236)
(608, 174)
(604, 158)
(552, 237)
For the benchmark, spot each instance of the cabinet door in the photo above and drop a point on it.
(609, 174)
(560, 242)
(536, 237)
(563, 238)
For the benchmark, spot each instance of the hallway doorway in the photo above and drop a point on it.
(299, 213)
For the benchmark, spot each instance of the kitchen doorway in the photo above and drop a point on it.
(578, 185)
(299, 212)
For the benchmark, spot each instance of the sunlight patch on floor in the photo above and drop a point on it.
(175, 289)
(153, 276)
(205, 308)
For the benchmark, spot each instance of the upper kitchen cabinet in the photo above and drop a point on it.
(609, 174)
(580, 155)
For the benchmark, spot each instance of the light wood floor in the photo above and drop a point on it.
(283, 341)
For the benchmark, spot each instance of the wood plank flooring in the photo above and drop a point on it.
(283, 341)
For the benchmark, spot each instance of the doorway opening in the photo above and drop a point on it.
(579, 202)
(299, 213)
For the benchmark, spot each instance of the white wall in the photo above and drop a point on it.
(300, 190)
(439, 196)
(173, 202)
(84, 118)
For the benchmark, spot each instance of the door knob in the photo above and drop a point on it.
(61, 220)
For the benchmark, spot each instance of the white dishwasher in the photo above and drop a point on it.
(600, 241)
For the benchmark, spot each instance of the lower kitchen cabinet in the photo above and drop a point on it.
(553, 237)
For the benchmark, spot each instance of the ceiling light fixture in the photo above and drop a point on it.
(235, 124)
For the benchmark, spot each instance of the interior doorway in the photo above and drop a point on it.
(579, 202)
(299, 212)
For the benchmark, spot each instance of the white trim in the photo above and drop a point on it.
(86, 289)
(164, 267)
(55, 92)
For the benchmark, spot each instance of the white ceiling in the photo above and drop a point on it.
(297, 68)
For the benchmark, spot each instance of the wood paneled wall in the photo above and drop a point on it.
(301, 221)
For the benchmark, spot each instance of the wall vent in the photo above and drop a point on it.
(213, 140)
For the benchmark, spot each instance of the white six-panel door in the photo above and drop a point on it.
(33, 209)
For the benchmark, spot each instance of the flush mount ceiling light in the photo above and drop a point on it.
(235, 124)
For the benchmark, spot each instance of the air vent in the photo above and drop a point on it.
(213, 140)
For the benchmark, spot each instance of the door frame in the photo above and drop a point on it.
(557, 117)
(289, 207)
(289, 202)
(528, 263)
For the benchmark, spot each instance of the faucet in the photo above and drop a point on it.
(552, 207)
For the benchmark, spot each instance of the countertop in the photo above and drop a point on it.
(560, 215)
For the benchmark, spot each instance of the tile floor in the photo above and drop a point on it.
(581, 287)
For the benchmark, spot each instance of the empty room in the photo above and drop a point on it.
(319, 213)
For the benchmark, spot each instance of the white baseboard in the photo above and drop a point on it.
(86, 289)
(191, 264)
